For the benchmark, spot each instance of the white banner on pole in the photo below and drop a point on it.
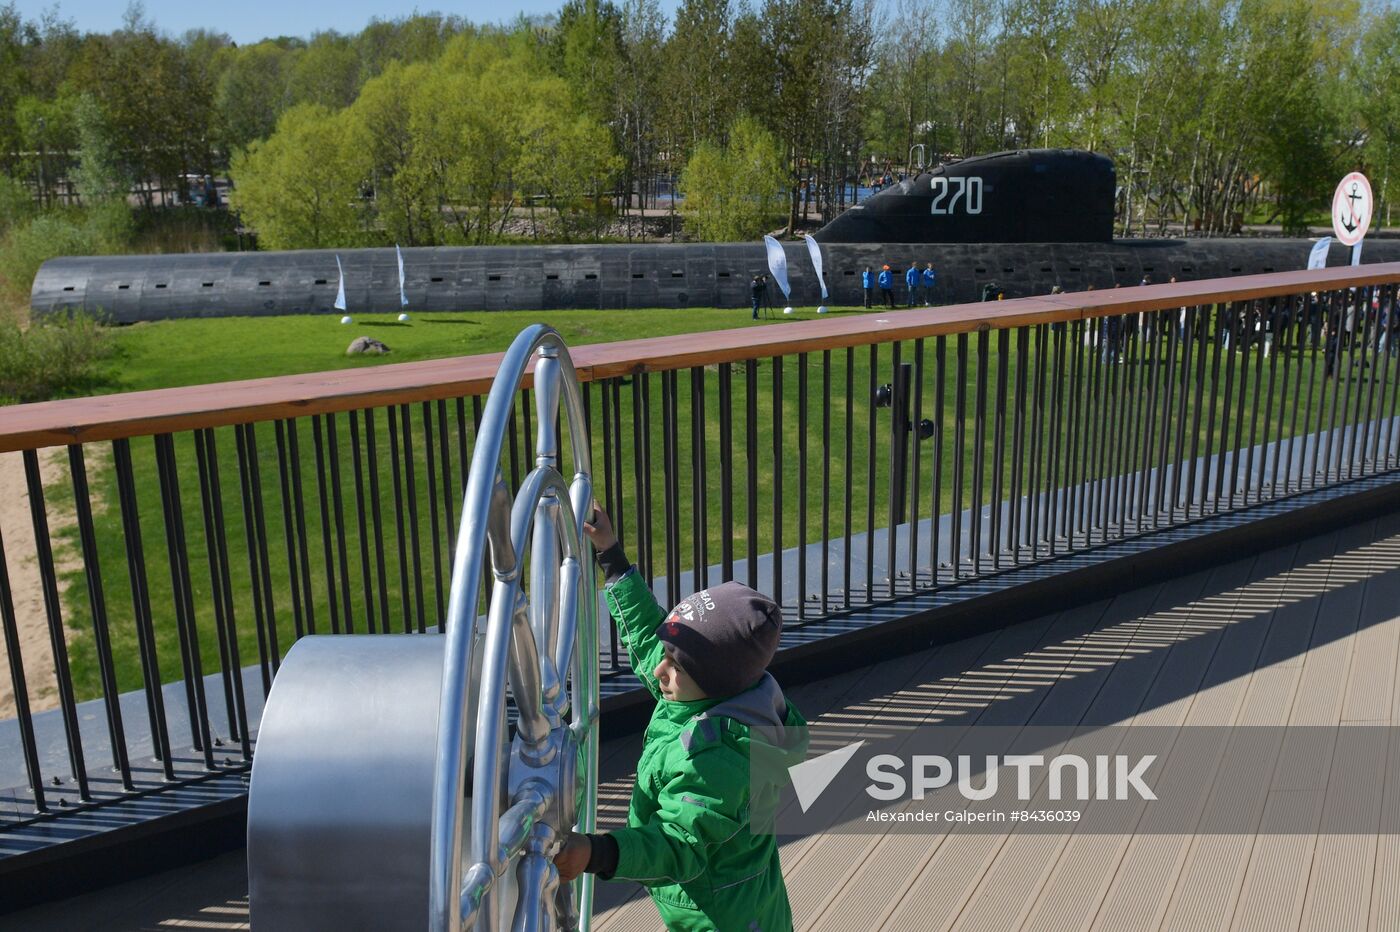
(777, 264)
(815, 251)
(403, 296)
(340, 290)
(1317, 259)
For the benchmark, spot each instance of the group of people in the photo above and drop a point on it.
(917, 283)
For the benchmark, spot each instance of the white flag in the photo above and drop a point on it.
(1317, 259)
(777, 264)
(403, 297)
(815, 252)
(340, 291)
(1356, 252)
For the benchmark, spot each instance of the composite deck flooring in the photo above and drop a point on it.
(1305, 634)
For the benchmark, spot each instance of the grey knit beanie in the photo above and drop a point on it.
(723, 637)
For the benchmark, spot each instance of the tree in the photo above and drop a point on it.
(734, 192)
(252, 91)
(300, 187)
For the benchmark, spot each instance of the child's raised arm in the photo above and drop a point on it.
(630, 600)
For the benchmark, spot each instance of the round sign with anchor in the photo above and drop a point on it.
(1351, 209)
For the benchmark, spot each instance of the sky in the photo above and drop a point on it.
(250, 20)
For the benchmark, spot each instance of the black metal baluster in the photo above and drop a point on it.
(323, 503)
(1183, 405)
(381, 567)
(1038, 441)
(1200, 323)
(646, 503)
(254, 470)
(1223, 341)
(751, 451)
(140, 607)
(1167, 348)
(1096, 460)
(978, 452)
(1145, 442)
(826, 484)
(1053, 483)
(28, 745)
(303, 550)
(434, 529)
(849, 477)
(700, 515)
(1257, 340)
(223, 631)
(289, 529)
(255, 545)
(449, 515)
(1129, 478)
(639, 475)
(48, 581)
(778, 480)
(870, 477)
(1076, 391)
(365, 577)
(220, 540)
(415, 538)
(1285, 395)
(670, 469)
(897, 448)
(1273, 346)
(338, 503)
(801, 593)
(1019, 466)
(959, 451)
(183, 597)
(726, 470)
(1370, 362)
(97, 602)
(916, 460)
(999, 444)
(935, 531)
(405, 594)
(1249, 342)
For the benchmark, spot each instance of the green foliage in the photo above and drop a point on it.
(100, 177)
(16, 204)
(734, 191)
(60, 356)
(300, 187)
(30, 245)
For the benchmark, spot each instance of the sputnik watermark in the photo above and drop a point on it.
(1113, 779)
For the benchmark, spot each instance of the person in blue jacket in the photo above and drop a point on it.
(928, 284)
(887, 286)
(867, 281)
(911, 281)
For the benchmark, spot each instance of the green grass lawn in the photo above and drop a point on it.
(312, 585)
(197, 351)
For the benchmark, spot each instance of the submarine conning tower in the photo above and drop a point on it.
(1019, 196)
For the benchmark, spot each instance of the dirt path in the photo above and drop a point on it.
(25, 588)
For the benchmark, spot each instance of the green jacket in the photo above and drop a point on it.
(688, 837)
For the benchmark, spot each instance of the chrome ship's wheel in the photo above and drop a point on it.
(387, 790)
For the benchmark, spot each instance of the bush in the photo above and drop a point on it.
(102, 229)
(30, 245)
(16, 203)
(57, 357)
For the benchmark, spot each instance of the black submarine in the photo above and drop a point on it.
(1027, 220)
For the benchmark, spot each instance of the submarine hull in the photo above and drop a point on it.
(127, 289)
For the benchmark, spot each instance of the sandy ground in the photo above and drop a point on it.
(25, 588)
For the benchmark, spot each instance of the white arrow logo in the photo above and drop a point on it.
(811, 777)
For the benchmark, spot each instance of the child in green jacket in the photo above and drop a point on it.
(688, 837)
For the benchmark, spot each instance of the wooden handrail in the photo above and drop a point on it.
(137, 414)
